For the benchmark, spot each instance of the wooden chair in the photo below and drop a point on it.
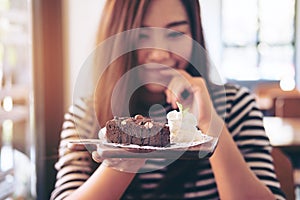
(285, 173)
(267, 93)
(287, 106)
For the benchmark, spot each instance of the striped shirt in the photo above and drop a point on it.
(182, 179)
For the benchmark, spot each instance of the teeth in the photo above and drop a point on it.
(156, 66)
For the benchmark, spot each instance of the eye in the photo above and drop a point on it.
(175, 34)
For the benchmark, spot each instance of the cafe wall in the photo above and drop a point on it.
(80, 21)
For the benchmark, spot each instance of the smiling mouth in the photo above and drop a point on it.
(159, 67)
(159, 74)
(159, 71)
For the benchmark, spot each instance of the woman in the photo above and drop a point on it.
(241, 166)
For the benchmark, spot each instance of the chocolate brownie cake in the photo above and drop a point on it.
(137, 130)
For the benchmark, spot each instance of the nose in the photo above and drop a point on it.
(158, 55)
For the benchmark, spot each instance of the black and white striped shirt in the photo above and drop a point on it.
(183, 179)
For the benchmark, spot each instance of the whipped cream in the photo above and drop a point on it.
(183, 126)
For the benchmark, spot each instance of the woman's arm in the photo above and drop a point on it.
(77, 177)
(105, 183)
(74, 167)
(234, 178)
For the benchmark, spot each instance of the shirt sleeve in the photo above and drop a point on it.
(245, 122)
(74, 167)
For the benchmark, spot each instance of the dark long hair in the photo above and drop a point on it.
(193, 10)
(119, 16)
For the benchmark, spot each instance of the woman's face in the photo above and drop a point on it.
(173, 24)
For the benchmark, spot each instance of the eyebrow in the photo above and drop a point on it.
(172, 24)
(179, 23)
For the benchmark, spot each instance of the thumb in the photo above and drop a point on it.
(96, 157)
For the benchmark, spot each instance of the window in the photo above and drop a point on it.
(258, 40)
(15, 79)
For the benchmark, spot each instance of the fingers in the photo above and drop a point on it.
(172, 93)
(169, 96)
(178, 90)
(131, 165)
(172, 98)
(175, 72)
(96, 157)
(76, 146)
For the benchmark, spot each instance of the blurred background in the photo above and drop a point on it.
(43, 45)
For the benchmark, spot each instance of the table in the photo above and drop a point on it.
(283, 132)
(268, 93)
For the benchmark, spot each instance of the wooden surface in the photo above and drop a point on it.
(266, 93)
(283, 132)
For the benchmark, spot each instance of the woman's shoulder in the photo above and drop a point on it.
(231, 91)
(81, 114)
(83, 103)
(233, 88)
(80, 107)
(233, 98)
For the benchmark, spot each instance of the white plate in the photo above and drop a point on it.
(194, 150)
(204, 139)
